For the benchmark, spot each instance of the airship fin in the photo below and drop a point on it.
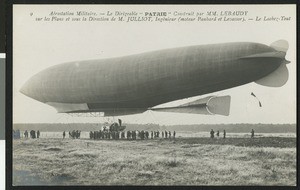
(280, 45)
(208, 106)
(277, 78)
(281, 75)
(219, 105)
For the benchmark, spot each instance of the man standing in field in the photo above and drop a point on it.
(212, 134)
(38, 134)
(117, 135)
(73, 134)
(128, 135)
(95, 135)
(26, 134)
(218, 133)
(100, 134)
(64, 134)
(174, 133)
(142, 134)
(224, 134)
(32, 134)
(252, 133)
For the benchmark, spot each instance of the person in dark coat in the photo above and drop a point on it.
(224, 134)
(38, 134)
(174, 133)
(73, 134)
(32, 134)
(252, 133)
(100, 134)
(212, 134)
(64, 134)
(95, 135)
(128, 135)
(26, 134)
(142, 135)
(147, 134)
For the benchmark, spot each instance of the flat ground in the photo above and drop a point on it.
(184, 161)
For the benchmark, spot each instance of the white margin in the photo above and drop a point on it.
(2, 164)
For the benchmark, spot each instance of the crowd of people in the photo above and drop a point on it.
(106, 133)
(212, 134)
(32, 133)
(74, 134)
(131, 135)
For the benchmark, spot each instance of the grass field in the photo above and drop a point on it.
(184, 161)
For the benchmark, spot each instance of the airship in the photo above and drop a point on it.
(136, 83)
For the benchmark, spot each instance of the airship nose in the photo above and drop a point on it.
(25, 89)
(30, 88)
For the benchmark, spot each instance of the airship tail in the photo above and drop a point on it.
(279, 76)
(208, 106)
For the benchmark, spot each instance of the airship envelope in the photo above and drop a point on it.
(136, 83)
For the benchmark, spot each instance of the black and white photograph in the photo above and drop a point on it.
(154, 95)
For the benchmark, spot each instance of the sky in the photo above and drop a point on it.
(39, 45)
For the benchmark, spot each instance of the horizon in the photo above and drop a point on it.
(230, 128)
